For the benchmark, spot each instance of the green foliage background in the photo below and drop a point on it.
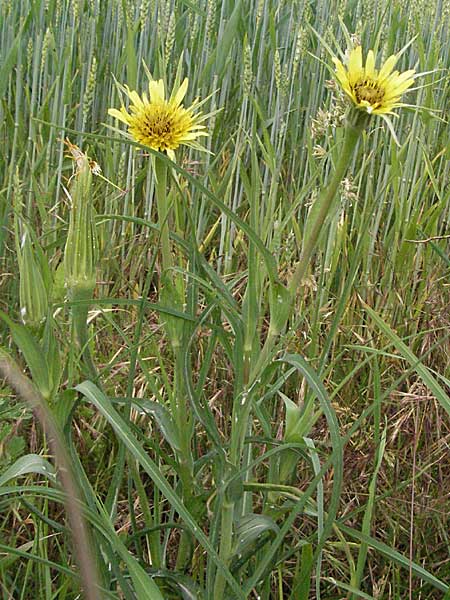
(383, 371)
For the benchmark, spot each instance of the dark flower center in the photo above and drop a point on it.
(160, 125)
(369, 91)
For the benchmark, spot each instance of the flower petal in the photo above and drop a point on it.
(122, 114)
(341, 73)
(396, 77)
(194, 134)
(370, 65)
(177, 97)
(156, 90)
(387, 68)
(397, 88)
(355, 60)
(134, 97)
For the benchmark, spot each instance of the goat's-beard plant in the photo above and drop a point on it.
(371, 92)
(149, 122)
(163, 125)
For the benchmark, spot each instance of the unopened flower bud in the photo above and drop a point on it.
(33, 292)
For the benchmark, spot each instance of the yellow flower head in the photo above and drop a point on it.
(159, 123)
(375, 91)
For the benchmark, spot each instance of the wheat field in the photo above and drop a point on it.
(224, 372)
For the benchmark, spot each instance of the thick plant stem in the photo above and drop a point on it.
(163, 211)
(183, 422)
(226, 540)
(354, 127)
(184, 458)
(80, 328)
(239, 429)
(179, 404)
(356, 122)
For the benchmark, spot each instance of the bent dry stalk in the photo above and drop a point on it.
(27, 391)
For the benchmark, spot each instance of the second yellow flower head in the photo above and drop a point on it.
(372, 90)
(159, 123)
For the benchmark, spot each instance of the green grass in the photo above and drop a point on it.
(207, 467)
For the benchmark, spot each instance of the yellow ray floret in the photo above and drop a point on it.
(159, 123)
(372, 90)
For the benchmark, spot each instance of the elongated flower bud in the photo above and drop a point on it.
(35, 278)
(81, 254)
(33, 292)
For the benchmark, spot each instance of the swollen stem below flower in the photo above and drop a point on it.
(356, 123)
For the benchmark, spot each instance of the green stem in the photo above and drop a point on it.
(184, 455)
(163, 211)
(356, 122)
(240, 416)
(184, 458)
(183, 421)
(239, 428)
(80, 328)
(179, 403)
(153, 536)
(226, 541)
(239, 454)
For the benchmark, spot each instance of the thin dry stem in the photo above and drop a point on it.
(25, 389)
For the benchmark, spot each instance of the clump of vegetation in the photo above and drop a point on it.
(224, 312)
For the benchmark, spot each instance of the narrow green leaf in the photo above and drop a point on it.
(32, 353)
(162, 417)
(94, 395)
(395, 556)
(318, 388)
(302, 580)
(9, 60)
(367, 520)
(432, 384)
(336, 460)
(250, 528)
(31, 463)
(356, 593)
